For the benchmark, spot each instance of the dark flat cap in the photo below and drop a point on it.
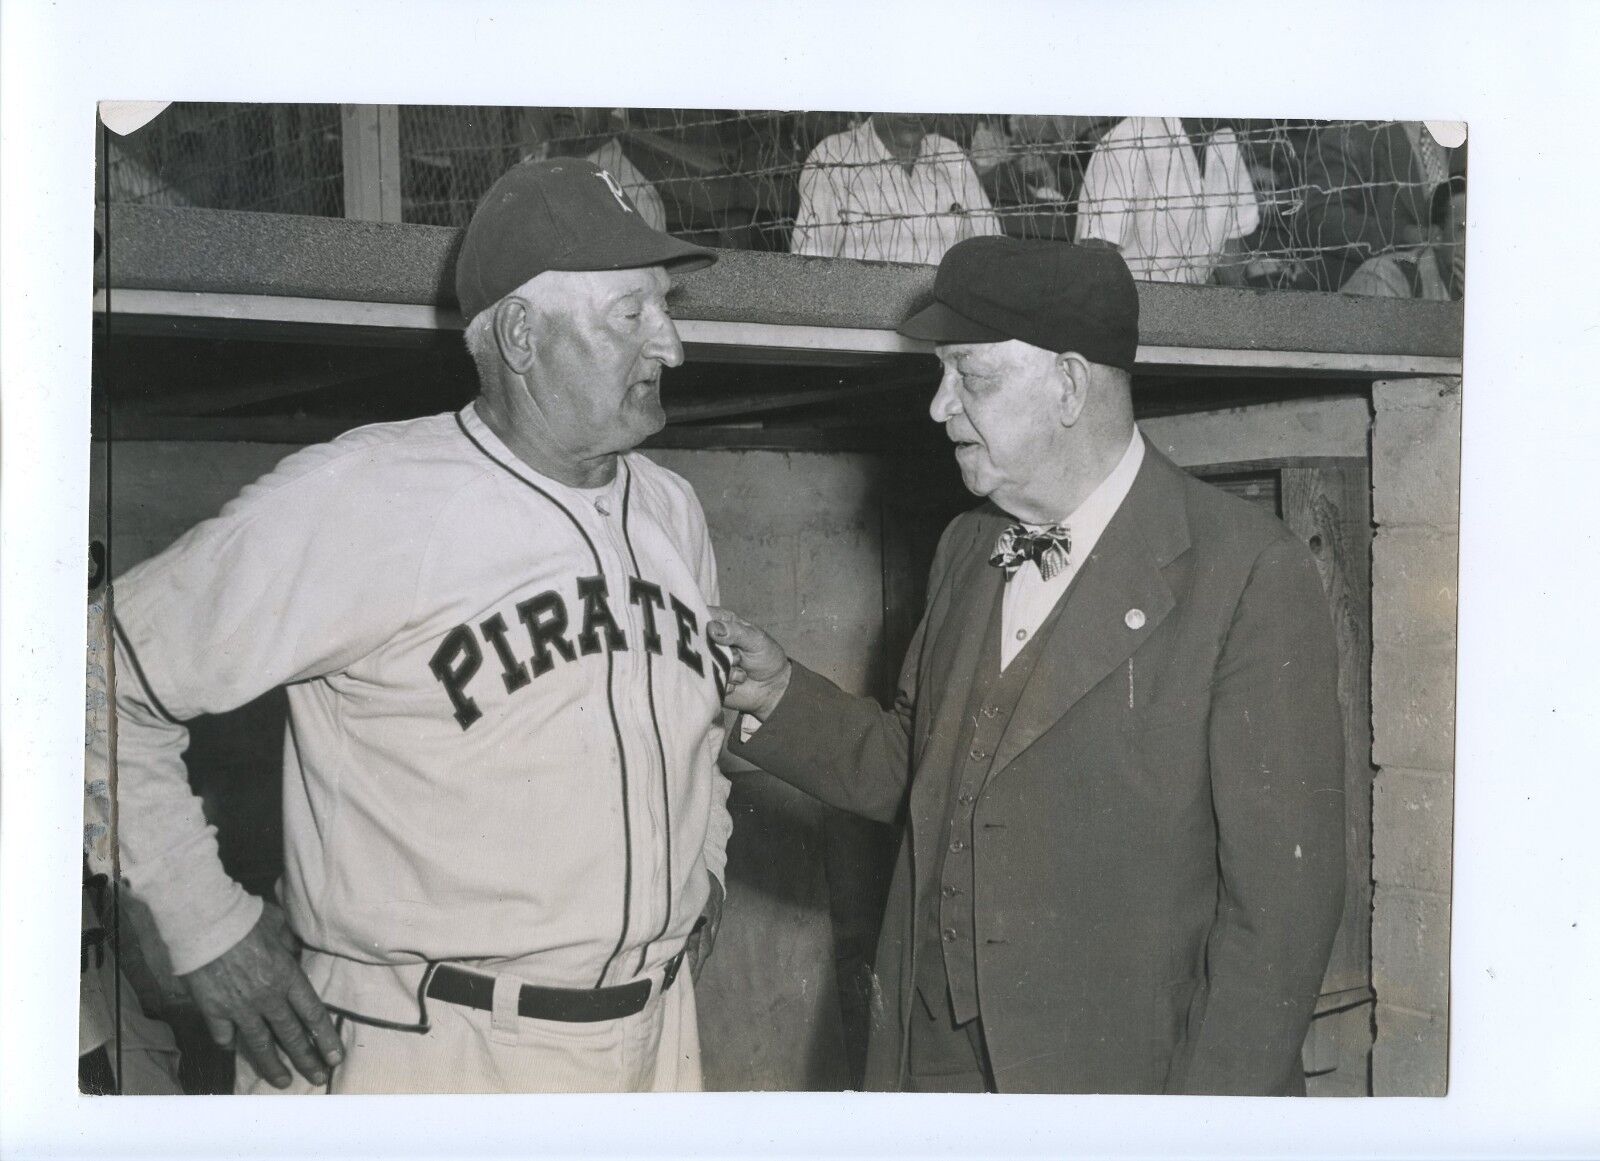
(563, 214)
(1051, 294)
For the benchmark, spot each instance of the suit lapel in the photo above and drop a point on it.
(1092, 635)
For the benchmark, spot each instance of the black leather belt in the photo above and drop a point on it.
(458, 985)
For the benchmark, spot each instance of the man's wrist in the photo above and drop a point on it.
(780, 687)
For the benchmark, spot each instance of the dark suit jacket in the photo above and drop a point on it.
(1159, 868)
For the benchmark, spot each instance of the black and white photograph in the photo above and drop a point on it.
(913, 606)
(616, 599)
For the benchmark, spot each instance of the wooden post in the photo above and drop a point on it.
(372, 162)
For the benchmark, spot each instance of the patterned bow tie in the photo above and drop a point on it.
(1048, 548)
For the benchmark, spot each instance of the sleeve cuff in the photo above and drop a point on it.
(192, 943)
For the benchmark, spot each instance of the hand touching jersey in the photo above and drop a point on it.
(760, 672)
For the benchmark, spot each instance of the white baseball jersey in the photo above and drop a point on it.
(504, 711)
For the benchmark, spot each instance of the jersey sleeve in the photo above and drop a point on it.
(298, 577)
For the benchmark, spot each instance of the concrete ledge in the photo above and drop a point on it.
(1416, 452)
(228, 252)
(1411, 1055)
(1414, 571)
(1410, 950)
(1411, 828)
(1414, 706)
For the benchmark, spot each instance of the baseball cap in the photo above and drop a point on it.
(1054, 295)
(560, 214)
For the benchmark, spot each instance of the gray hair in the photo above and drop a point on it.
(479, 335)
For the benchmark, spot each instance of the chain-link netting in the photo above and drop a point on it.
(279, 158)
(1374, 207)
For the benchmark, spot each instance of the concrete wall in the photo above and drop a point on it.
(799, 550)
(1416, 462)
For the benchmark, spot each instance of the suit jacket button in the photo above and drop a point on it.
(1134, 618)
(957, 845)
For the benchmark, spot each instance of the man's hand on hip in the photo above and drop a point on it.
(760, 672)
(254, 996)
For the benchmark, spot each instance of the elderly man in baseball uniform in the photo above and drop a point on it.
(503, 816)
(1117, 740)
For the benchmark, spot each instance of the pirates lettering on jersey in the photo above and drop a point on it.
(547, 619)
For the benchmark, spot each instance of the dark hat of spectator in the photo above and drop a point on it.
(1051, 294)
(561, 214)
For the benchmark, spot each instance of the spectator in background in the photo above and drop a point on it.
(1174, 196)
(1434, 271)
(889, 190)
(1369, 188)
(592, 134)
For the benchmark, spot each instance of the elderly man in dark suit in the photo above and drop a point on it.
(1116, 742)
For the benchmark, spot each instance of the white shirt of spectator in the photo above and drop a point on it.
(1143, 190)
(858, 201)
(635, 184)
(1028, 596)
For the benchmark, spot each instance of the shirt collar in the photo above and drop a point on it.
(1089, 519)
(868, 141)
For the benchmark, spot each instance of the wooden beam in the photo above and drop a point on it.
(749, 404)
(371, 162)
(226, 396)
(759, 340)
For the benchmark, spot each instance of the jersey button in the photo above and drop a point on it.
(602, 506)
(949, 934)
(957, 845)
(949, 892)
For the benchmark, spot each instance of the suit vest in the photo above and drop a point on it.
(947, 972)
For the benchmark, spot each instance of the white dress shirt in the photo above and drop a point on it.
(1143, 191)
(858, 201)
(1029, 597)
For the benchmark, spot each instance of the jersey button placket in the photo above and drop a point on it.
(630, 669)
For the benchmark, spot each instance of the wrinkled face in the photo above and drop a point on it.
(603, 339)
(1000, 404)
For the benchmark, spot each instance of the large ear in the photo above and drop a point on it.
(515, 333)
(1073, 373)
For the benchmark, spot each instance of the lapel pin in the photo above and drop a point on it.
(1134, 618)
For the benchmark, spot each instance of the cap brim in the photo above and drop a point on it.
(937, 323)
